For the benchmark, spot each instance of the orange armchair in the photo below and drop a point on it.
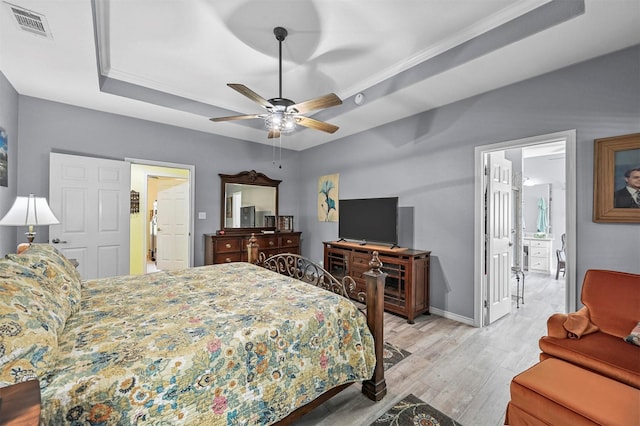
(593, 337)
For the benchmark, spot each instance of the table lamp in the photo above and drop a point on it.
(29, 211)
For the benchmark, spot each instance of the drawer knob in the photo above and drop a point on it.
(228, 245)
(228, 260)
(270, 243)
(289, 241)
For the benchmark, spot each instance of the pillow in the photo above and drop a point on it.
(30, 320)
(48, 261)
(634, 336)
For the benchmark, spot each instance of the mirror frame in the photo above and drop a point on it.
(250, 177)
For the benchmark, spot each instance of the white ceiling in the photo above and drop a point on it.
(169, 61)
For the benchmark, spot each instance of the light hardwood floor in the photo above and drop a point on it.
(460, 370)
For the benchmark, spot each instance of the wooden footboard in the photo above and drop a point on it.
(301, 268)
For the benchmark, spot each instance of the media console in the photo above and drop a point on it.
(406, 290)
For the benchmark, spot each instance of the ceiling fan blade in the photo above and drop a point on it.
(325, 101)
(315, 124)
(236, 117)
(273, 134)
(244, 90)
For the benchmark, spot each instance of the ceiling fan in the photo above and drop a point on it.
(283, 114)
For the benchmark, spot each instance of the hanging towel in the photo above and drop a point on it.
(542, 215)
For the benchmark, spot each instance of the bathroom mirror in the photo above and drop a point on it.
(247, 198)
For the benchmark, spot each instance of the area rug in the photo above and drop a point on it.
(413, 411)
(393, 355)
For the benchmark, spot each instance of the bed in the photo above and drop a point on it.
(222, 344)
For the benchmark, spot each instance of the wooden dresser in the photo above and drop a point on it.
(406, 290)
(539, 254)
(232, 247)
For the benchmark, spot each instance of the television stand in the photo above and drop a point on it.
(406, 290)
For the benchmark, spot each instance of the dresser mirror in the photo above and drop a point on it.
(247, 198)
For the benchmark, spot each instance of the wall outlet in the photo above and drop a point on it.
(202, 215)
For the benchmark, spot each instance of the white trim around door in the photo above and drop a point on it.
(569, 137)
(192, 174)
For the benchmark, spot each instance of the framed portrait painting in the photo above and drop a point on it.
(616, 179)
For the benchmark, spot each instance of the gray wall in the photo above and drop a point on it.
(9, 121)
(428, 161)
(49, 126)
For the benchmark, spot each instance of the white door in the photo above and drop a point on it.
(498, 231)
(90, 196)
(173, 224)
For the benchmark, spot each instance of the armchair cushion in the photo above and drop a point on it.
(599, 352)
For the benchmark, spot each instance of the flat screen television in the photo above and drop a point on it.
(369, 220)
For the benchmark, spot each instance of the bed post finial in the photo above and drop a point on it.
(375, 264)
(376, 388)
(252, 249)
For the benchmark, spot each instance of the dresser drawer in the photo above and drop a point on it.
(538, 243)
(264, 243)
(290, 241)
(539, 252)
(227, 245)
(539, 264)
(360, 263)
(228, 257)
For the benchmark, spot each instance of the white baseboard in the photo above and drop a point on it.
(452, 316)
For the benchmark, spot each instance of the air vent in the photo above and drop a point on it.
(30, 21)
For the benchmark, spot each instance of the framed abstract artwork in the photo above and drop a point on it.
(616, 179)
(328, 198)
(4, 158)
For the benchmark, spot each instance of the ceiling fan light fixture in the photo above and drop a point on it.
(283, 114)
(279, 121)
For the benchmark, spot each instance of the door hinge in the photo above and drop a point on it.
(485, 304)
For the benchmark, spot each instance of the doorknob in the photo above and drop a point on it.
(57, 241)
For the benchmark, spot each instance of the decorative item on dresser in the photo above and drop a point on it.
(406, 290)
(233, 247)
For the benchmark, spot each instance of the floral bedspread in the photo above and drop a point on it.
(221, 344)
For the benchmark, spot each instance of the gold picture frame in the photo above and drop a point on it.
(612, 158)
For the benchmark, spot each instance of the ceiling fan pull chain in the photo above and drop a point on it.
(280, 151)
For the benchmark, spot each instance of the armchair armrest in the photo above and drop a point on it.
(555, 326)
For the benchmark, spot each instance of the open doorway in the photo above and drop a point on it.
(527, 155)
(161, 234)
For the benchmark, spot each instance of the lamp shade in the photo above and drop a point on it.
(31, 211)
